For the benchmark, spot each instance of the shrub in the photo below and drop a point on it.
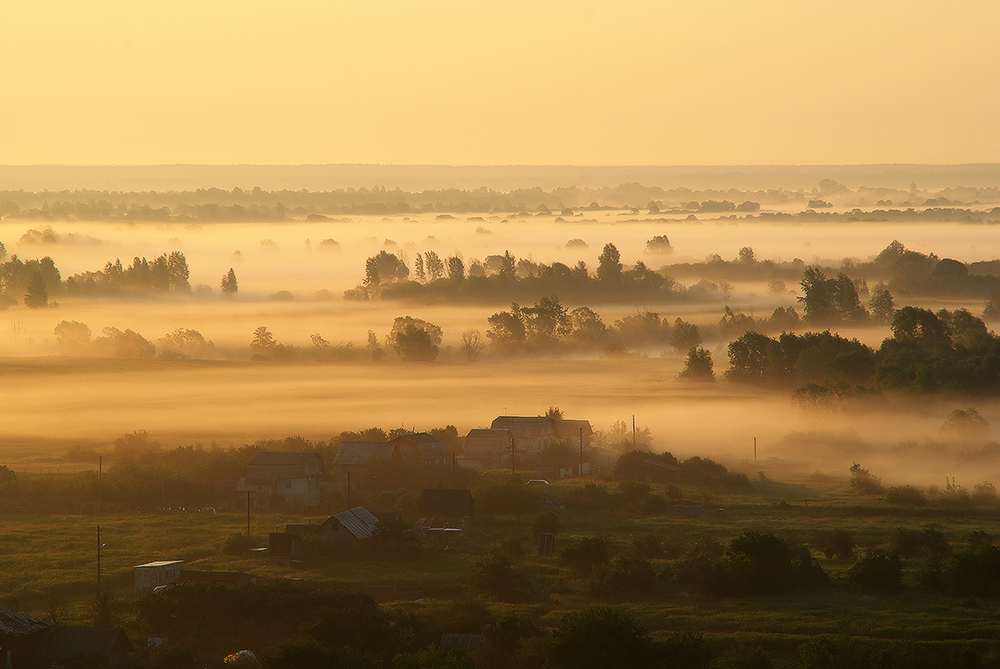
(877, 572)
(984, 494)
(835, 544)
(928, 541)
(863, 482)
(585, 554)
(711, 473)
(905, 495)
(623, 578)
(497, 577)
(591, 497)
(602, 638)
(545, 523)
(391, 540)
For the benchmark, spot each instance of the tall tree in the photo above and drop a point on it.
(609, 265)
(179, 273)
(37, 295)
(229, 284)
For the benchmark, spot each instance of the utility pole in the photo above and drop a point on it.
(98, 560)
(100, 475)
(755, 449)
(633, 432)
(581, 451)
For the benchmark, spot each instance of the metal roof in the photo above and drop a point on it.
(358, 521)
(159, 563)
(14, 624)
(418, 438)
(524, 427)
(364, 452)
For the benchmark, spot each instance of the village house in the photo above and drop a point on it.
(357, 457)
(486, 449)
(282, 479)
(490, 449)
(344, 530)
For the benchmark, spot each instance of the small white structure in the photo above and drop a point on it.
(159, 572)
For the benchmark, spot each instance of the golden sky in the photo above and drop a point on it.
(663, 82)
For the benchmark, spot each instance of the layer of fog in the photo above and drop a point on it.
(62, 402)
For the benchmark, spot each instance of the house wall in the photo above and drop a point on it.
(147, 578)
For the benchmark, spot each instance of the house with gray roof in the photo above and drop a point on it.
(486, 449)
(282, 479)
(357, 456)
(534, 433)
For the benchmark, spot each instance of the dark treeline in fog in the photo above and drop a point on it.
(956, 203)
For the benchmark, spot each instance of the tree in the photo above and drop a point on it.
(659, 244)
(415, 340)
(747, 256)
(609, 266)
(377, 352)
(263, 342)
(748, 357)
(506, 330)
(966, 425)
(472, 344)
(37, 295)
(229, 284)
(186, 342)
(881, 304)
(72, 334)
(435, 268)
(819, 302)
(698, 365)
(685, 335)
(385, 268)
(178, 272)
(921, 327)
(546, 322)
(127, 344)
(456, 269)
(586, 326)
(602, 638)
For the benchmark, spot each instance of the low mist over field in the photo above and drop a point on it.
(299, 278)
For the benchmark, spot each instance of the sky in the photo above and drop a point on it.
(622, 82)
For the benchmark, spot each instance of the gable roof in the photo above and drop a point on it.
(418, 438)
(362, 453)
(358, 521)
(14, 624)
(570, 429)
(524, 427)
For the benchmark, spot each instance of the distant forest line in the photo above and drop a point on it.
(956, 203)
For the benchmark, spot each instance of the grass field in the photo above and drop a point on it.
(48, 564)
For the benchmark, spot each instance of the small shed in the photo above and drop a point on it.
(157, 573)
